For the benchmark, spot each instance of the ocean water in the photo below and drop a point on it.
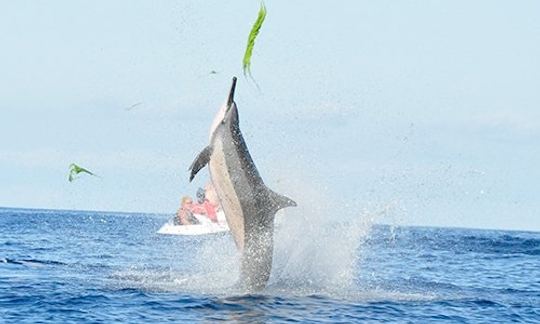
(102, 267)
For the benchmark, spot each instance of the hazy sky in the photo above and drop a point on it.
(416, 112)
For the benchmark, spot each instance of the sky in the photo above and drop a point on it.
(406, 112)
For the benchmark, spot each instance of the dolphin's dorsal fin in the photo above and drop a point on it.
(280, 201)
(200, 161)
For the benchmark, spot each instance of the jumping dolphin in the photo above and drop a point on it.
(249, 205)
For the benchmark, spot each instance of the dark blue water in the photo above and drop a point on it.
(67, 266)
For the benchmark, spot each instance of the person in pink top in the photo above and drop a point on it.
(204, 206)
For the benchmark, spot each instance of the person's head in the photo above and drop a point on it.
(187, 201)
(200, 195)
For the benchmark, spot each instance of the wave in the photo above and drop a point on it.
(30, 262)
(459, 240)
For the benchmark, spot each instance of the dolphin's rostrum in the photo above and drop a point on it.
(249, 205)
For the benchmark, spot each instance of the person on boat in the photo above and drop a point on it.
(184, 215)
(204, 206)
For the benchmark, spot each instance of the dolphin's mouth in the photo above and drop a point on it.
(231, 94)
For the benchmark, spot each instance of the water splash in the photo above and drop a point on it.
(316, 251)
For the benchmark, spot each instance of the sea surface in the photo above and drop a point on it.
(104, 267)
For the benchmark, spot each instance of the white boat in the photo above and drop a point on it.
(205, 226)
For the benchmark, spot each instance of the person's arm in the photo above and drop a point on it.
(181, 214)
(210, 211)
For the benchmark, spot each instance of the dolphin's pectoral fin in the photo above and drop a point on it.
(281, 201)
(200, 161)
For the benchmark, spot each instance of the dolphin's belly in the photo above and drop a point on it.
(230, 202)
(247, 205)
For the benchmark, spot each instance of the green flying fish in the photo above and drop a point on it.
(74, 170)
(246, 63)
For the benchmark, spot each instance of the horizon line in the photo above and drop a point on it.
(164, 214)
